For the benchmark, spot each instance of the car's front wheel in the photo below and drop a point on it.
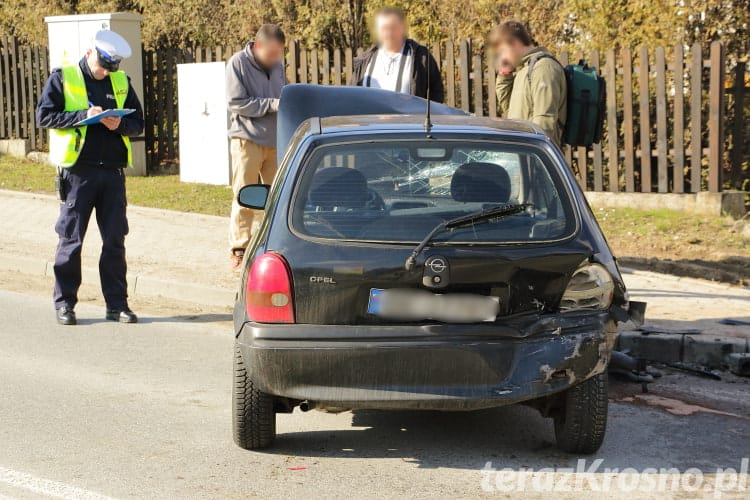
(581, 423)
(253, 415)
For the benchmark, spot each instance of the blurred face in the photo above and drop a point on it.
(390, 32)
(510, 52)
(97, 70)
(268, 52)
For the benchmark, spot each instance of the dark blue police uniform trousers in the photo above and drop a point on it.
(90, 188)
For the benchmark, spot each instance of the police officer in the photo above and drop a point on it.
(91, 160)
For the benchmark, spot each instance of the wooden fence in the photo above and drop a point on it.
(665, 125)
(23, 72)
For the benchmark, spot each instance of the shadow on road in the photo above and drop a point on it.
(518, 436)
(189, 318)
(431, 439)
(734, 270)
(146, 320)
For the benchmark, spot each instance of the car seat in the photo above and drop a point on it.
(480, 182)
(338, 188)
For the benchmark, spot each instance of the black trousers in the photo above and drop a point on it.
(90, 188)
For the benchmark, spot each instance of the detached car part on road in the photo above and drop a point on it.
(404, 265)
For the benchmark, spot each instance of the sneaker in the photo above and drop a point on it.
(236, 258)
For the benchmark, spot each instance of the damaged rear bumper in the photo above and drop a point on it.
(428, 366)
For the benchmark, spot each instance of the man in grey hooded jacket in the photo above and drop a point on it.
(254, 78)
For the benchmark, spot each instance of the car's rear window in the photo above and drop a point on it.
(399, 191)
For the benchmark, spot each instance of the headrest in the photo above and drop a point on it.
(339, 187)
(481, 182)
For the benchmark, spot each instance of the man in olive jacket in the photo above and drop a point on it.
(530, 82)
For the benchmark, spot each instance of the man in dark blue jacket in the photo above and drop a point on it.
(91, 160)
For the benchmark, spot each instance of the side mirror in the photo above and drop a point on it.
(254, 196)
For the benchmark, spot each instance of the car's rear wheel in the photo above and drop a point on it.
(253, 416)
(581, 423)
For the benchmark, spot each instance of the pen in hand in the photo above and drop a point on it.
(110, 122)
(93, 110)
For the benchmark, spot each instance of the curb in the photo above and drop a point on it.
(713, 351)
(706, 350)
(138, 285)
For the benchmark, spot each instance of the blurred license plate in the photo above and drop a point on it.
(416, 305)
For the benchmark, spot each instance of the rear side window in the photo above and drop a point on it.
(395, 191)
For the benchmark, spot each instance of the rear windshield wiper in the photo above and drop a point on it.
(486, 215)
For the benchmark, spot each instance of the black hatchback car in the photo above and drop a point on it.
(405, 263)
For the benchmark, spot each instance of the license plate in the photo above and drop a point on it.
(417, 305)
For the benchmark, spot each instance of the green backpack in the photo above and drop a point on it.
(586, 102)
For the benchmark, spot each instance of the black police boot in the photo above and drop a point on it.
(66, 316)
(124, 316)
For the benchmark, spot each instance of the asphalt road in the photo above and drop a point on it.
(143, 410)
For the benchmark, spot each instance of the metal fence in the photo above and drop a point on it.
(674, 124)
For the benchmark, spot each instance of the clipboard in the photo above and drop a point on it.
(105, 114)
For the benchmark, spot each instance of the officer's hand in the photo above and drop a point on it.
(111, 122)
(93, 111)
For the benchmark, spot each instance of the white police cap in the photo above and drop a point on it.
(112, 44)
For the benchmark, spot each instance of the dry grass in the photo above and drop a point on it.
(160, 191)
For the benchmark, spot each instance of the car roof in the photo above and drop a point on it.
(357, 108)
(415, 123)
(301, 102)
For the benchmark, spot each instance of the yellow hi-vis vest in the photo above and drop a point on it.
(66, 144)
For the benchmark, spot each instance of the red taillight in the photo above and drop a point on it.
(268, 296)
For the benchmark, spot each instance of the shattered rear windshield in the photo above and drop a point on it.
(395, 191)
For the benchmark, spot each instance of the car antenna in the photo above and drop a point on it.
(427, 118)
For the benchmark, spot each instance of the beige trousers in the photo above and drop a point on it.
(250, 162)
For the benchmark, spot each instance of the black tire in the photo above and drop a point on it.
(582, 422)
(253, 416)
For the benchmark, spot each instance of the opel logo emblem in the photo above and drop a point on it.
(437, 266)
(436, 273)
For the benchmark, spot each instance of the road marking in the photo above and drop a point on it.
(53, 489)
